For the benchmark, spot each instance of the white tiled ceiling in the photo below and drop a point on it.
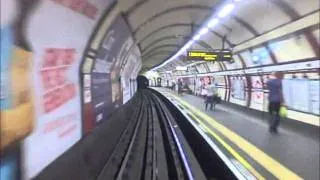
(251, 18)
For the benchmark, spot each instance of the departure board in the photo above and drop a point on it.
(216, 55)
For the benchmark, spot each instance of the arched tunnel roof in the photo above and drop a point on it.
(161, 28)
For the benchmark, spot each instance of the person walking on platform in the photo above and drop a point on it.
(173, 86)
(180, 84)
(275, 101)
(210, 98)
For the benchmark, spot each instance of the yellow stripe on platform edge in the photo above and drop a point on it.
(273, 166)
(229, 148)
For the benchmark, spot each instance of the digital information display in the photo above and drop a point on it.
(216, 55)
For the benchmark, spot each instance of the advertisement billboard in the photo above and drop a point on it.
(41, 47)
(42, 43)
(257, 94)
(106, 87)
(238, 88)
(127, 71)
(56, 83)
(308, 99)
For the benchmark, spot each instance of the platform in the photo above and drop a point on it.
(245, 139)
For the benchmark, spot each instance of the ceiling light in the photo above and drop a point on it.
(188, 45)
(181, 51)
(213, 22)
(197, 37)
(204, 31)
(226, 10)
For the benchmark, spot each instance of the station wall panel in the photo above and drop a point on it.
(44, 49)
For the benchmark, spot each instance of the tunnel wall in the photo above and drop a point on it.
(292, 48)
(66, 65)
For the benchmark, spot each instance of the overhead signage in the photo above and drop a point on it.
(216, 55)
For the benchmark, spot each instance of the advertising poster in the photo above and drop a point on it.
(301, 102)
(314, 93)
(105, 76)
(126, 72)
(41, 47)
(219, 81)
(308, 99)
(101, 92)
(89, 117)
(188, 83)
(116, 74)
(238, 88)
(204, 82)
(257, 94)
(56, 33)
(135, 73)
(130, 71)
(126, 90)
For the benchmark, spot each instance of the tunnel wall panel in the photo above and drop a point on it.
(106, 89)
(42, 48)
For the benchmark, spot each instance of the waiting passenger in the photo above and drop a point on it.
(275, 101)
(211, 94)
(173, 87)
(180, 86)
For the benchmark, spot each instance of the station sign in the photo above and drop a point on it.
(216, 55)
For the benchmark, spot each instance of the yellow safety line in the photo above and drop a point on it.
(229, 148)
(273, 166)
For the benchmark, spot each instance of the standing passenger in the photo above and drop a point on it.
(180, 84)
(211, 92)
(275, 101)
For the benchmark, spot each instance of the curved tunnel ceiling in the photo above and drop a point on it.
(180, 25)
(149, 23)
(152, 49)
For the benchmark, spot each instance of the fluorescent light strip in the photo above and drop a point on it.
(197, 37)
(225, 11)
(213, 23)
(204, 31)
